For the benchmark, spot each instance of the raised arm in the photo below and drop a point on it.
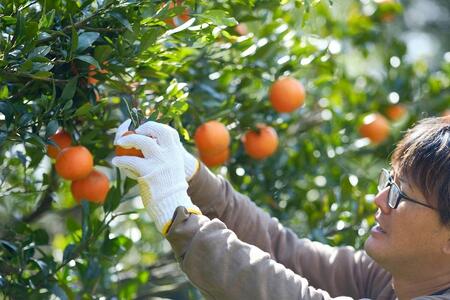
(319, 263)
(269, 252)
(224, 267)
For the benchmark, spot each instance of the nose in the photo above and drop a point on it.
(382, 202)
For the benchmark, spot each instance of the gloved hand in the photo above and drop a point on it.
(191, 164)
(160, 174)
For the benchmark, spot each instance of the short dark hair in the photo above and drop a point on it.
(423, 156)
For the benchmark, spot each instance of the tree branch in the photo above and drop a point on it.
(112, 30)
(31, 76)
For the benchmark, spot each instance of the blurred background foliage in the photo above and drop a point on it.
(87, 65)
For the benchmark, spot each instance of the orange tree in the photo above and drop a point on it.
(84, 66)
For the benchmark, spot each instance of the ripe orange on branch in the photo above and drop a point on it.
(92, 72)
(396, 112)
(212, 160)
(121, 151)
(212, 138)
(180, 19)
(375, 127)
(241, 29)
(387, 10)
(74, 163)
(287, 94)
(62, 139)
(260, 143)
(93, 187)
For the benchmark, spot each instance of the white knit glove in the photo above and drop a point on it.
(191, 164)
(160, 174)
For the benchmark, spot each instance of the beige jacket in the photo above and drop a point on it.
(237, 251)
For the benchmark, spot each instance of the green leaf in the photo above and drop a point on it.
(102, 53)
(20, 27)
(59, 292)
(119, 17)
(40, 237)
(68, 105)
(7, 110)
(219, 17)
(3, 136)
(69, 252)
(8, 20)
(74, 43)
(4, 92)
(149, 38)
(86, 39)
(26, 66)
(51, 128)
(89, 60)
(8, 246)
(116, 245)
(112, 199)
(44, 74)
(39, 51)
(72, 225)
(41, 265)
(70, 89)
(31, 30)
(25, 119)
(22, 157)
(47, 19)
(36, 140)
(83, 110)
(85, 226)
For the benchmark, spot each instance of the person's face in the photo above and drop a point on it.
(410, 234)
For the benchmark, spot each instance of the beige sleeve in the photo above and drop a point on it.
(224, 267)
(340, 271)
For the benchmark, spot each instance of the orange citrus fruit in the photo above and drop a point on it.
(120, 151)
(375, 127)
(241, 29)
(180, 19)
(74, 163)
(212, 138)
(260, 143)
(287, 94)
(386, 16)
(93, 187)
(396, 112)
(212, 160)
(60, 138)
(91, 79)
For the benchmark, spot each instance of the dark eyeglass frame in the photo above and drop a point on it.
(385, 174)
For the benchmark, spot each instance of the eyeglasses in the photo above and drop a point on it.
(395, 194)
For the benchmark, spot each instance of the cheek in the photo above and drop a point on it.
(413, 229)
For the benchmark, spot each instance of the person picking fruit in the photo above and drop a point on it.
(231, 249)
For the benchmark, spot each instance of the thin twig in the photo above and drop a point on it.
(112, 30)
(31, 76)
(74, 26)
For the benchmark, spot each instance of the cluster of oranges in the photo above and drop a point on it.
(76, 163)
(92, 72)
(213, 139)
(376, 127)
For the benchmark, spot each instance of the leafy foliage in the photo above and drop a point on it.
(87, 65)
